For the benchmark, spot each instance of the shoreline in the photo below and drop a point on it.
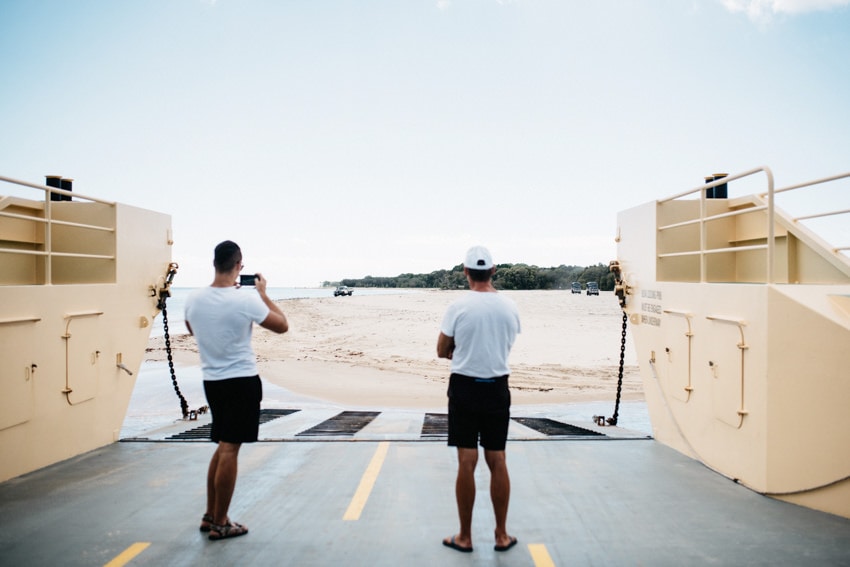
(380, 350)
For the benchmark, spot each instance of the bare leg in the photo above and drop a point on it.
(467, 459)
(221, 480)
(500, 493)
(211, 485)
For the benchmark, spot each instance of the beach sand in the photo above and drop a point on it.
(380, 350)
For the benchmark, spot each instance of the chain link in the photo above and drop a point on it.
(184, 406)
(613, 419)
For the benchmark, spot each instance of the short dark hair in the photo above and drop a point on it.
(227, 255)
(479, 275)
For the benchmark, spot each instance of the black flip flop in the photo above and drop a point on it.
(451, 543)
(506, 547)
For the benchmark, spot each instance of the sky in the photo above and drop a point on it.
(343, 139)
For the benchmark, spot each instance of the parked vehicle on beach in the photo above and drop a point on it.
(592, 288)
(343, 290)
(576, 287)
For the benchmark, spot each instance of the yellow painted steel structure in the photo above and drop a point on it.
(741, 320)
(78, 293)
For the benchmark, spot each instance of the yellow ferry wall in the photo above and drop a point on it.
(63, 392)
(747, 378)
(809, 386)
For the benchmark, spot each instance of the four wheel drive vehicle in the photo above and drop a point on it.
(576, 287)
(343, 290)
(592, 288)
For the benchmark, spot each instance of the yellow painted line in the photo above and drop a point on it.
(128, 554)
(540, 556)
(358, 502)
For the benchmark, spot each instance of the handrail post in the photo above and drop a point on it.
(702, 237)
(771, 226)
(48, 239)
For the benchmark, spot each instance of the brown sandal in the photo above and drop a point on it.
(231, 529)
(206, 523)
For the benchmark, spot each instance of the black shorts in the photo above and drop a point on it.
(479, 412)
(235, 407)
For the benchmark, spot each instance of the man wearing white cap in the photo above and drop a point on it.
(477, 334)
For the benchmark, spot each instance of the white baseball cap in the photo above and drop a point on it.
(478, 258)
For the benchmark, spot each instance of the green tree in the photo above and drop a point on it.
(507, 276)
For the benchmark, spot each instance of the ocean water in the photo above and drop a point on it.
(176, 304)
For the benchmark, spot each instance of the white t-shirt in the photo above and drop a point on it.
(221, 319)
(484, 326)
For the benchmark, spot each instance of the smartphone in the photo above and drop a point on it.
(247, 279)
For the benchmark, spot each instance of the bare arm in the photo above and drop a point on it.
(275, 321)
(445, 346)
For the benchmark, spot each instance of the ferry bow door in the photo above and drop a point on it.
(18, 370)
(83, 331)
(726, 367)
(677, 355)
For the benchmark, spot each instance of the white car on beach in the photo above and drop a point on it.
(343, 290)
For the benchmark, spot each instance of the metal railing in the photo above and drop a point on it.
(769, 206)
(820, 181)
(49, 222)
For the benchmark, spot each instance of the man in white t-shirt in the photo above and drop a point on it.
(477, 334)
(221, 317)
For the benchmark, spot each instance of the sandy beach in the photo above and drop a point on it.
(380, 350)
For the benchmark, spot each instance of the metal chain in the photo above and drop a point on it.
(613, 419)
(184, 406)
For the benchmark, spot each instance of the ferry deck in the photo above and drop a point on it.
(331, 487)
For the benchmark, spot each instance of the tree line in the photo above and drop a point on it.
(507, 276)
